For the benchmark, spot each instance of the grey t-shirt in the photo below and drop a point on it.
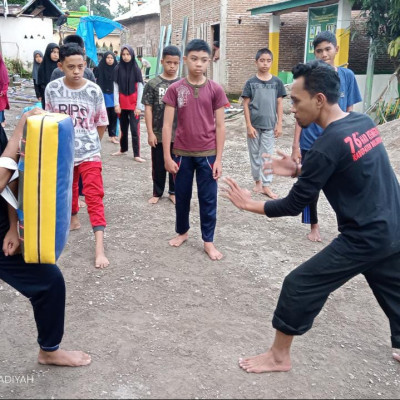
(87, 74)
(263, 96)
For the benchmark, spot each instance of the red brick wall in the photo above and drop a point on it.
(142, 32)
(243, 40)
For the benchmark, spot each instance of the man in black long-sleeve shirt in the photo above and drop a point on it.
(350, 164)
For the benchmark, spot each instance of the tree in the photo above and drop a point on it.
(382, 21)
(97, 7)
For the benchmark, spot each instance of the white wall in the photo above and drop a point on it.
(379, 84)
(12, 36)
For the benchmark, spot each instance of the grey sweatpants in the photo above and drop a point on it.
(263, 143)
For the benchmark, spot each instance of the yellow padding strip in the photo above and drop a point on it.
(48, 190)
(31, 190)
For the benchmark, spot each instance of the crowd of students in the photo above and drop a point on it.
(186, 131)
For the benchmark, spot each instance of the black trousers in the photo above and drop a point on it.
(159, 172)
(37, 89)
(43, 285)
(306, 289)
(127, 119)
(112, 122)
(309, 215)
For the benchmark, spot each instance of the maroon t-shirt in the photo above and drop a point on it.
(196, 105)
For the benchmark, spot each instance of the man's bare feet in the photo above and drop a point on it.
(178, 240)
(266, 362)
(268, 192)
(314, 235)
(102, 261)
(139, 159)
(172, 198)
(212, 252)
(154, 200)
(396, 357)
(258, 187)
(75, 224)
(64, 358)
(114, 140)
(119, 153)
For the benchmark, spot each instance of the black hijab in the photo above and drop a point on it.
(47, 66)
(104, 73)
(127, 74)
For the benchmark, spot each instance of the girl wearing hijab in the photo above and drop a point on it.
(37, 60)
(48, 65)
(3, 90)
(104, 78)
(128, 90)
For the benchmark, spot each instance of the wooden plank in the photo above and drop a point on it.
(183, 43)
(160, 49)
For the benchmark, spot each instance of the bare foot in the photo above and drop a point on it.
(119, 153)
(212, 252)
(102, 261)
(314, 235)
(396, 357)
(267, 191)
(82, 203)
(75, 224)
(64, 358)
(172, 198)
(178, 240)
(114, 140)
(265, 362)
(154, 200)
(258, 187)
(139, 159)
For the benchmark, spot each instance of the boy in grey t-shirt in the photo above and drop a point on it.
(263, 111)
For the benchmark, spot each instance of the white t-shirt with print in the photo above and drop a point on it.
(87, 109)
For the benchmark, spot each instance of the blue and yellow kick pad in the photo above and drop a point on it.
(45, 186)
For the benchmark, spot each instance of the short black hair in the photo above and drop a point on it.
(262, 51)
(319, 77)
(171, 51)
(139, 56)
(115, 51)
(216, 43)
(66, 13)
(74, 39)
(197, 45)
(70, 49)
(325, 36)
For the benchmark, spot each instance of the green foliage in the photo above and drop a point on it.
(15, 67)
(122, 9)
(98, 7)
(19, 2)
(383, 20)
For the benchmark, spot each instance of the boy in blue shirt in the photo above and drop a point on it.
(263, 111)
(325, 49)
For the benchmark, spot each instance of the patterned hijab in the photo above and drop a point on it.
(127, 74)
(36, 65)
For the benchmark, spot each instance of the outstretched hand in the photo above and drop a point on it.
(238, 196)
(284, 166)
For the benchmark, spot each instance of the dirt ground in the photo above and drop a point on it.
(162, 322)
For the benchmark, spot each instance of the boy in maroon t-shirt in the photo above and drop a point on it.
(198, 146)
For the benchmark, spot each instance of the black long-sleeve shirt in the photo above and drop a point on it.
(350, 164)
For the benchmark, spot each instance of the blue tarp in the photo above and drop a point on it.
(87, 28)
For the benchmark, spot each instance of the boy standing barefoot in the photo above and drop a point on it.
(263, 111)
(154, 117)
(83, 101)
(198, 146)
